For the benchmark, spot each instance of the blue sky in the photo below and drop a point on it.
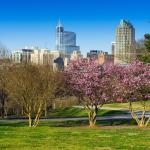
(32, 22)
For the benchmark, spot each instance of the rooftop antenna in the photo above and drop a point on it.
(59, 23)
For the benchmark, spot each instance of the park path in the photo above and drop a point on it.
(102, 118)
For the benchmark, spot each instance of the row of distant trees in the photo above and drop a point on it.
(144, 45)
(33, 88)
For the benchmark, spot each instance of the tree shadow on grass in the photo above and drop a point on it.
(78, 123)
(113, 112)
(81, 112)
(86, 123)
(14, 124)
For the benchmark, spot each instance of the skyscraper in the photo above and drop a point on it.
(125, 43)
(59, 36)
(113, 46)
(65, 40)
(93, 54)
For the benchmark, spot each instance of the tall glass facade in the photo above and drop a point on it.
(65, 40)
(125, 43)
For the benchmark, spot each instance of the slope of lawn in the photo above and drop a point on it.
(81, 112)
(125, 106)
(44, 137)
(106, 110)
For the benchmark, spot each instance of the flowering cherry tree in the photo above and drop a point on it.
(133, 84)
(92, 83)
(100, 84)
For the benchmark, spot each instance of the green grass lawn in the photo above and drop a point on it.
(75, 135)
(106, 110)
(81, 112)
(70, 123)
(17, 136)
(120, 106)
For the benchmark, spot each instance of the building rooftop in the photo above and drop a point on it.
(125, 23)
(59, 24)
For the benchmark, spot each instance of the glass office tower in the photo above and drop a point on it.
(65, 40)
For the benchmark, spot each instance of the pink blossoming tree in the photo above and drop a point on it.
(133, 84)
(92, 82)
(97, 85)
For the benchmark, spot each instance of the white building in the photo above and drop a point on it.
(113, 47)
(17, 56)
(76, 55)
(57, 58)
(33, 55)
(40, 56)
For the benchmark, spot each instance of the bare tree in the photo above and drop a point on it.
(4, 66)
(3, 91)
(33, 87)
(140, 44)
(53, 86)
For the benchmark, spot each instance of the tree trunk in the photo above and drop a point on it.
(92, 116)
(3, 108)
(54, 105)
(30, 120)
(141, 122)
(45, 109)
(36, 120)
(92, 119)
(22, 111)
(39, 112)
(6, 113)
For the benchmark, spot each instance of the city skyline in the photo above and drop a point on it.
(33, 22)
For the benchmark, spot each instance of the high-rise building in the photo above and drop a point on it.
(41, 56)
(113, 47)
(65, 40)
(26, 55)
(100, 56)
(59, 36)
(76, 55)
(125, 43)
(55, 54)
(16, 56)
(22, 55)
(33, 55)
(93, 54)
(105, 58)
(57, 59)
